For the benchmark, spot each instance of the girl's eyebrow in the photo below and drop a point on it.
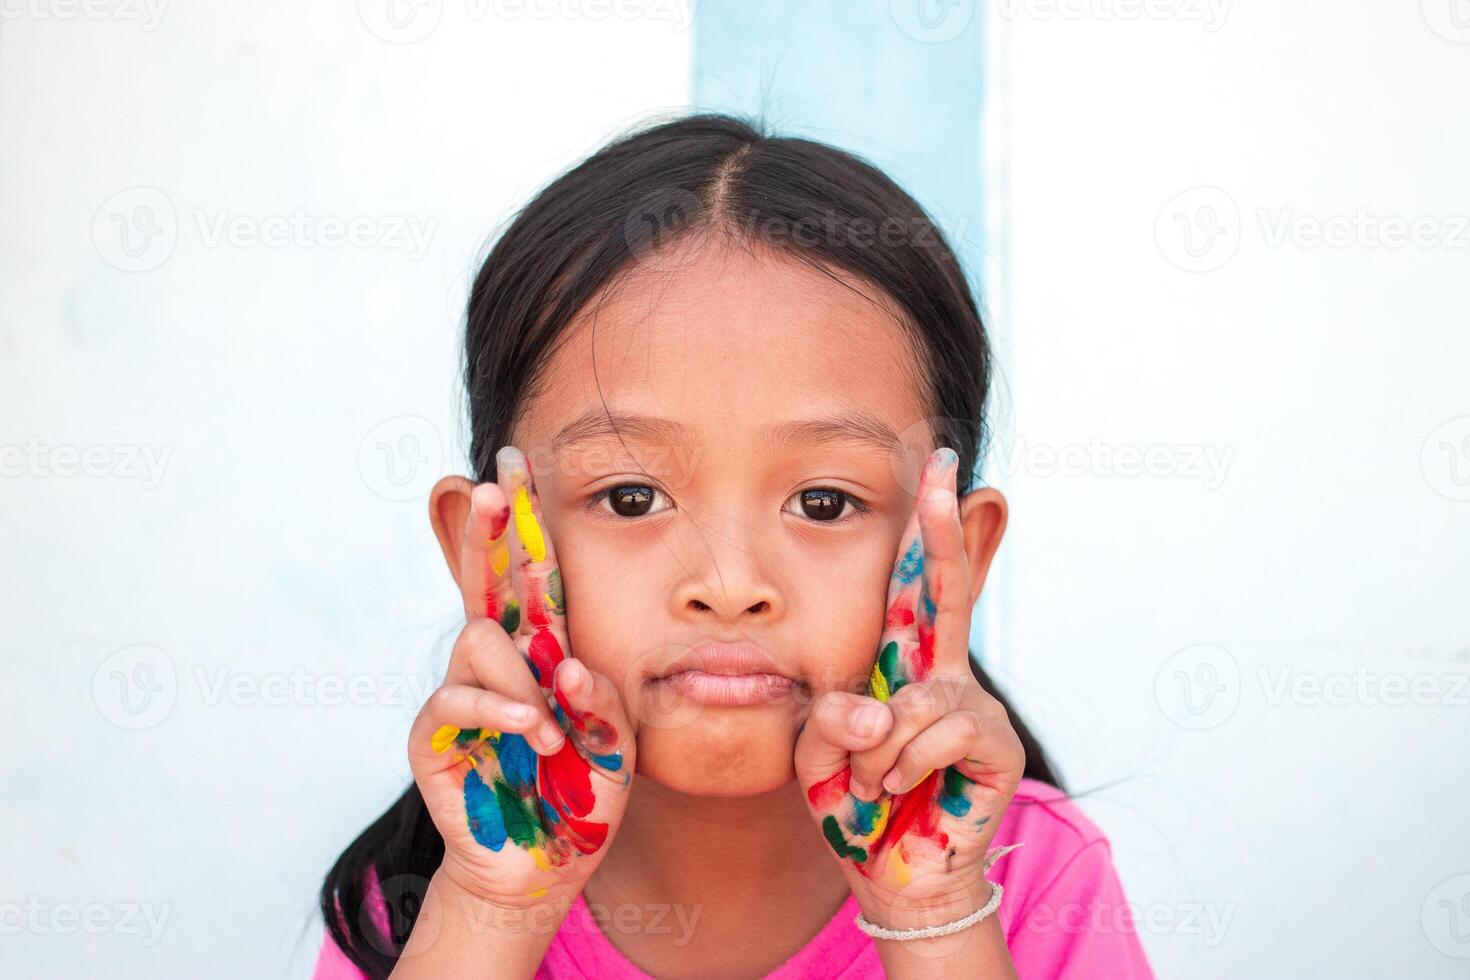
(852, 427)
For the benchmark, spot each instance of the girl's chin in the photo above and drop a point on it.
(674, 774)
(721, 754)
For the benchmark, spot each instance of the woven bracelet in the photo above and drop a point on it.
(929, 932)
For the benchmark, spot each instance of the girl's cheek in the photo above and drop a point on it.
(598, 611)
(844, 622)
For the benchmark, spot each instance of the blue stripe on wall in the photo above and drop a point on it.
(899, 82)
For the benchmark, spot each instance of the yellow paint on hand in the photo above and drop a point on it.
(444, 737)
(527, 527)
(902, 873)
(878, 684)
(500, 556)
(539, 853)
(537, 893)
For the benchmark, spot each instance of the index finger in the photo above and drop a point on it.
(906, 646)
(944, 603)
(484, 556)
(534, 573)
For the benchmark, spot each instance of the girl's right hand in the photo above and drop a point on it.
(527, 795)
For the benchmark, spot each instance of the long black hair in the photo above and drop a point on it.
(700, 173)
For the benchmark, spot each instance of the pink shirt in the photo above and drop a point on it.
(1064, 914)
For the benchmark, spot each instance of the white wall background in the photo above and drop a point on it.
(1151, 619)
(270, 554)
(263, 420)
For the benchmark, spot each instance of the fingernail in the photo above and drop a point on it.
(520, 712)
(942, 459)
(551, 736)
(892, 782)
(940, 476)
(865, 719)
(580, 679)
(507, 460)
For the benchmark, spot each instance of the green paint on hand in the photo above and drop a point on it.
(510, 617)
(839, 843)
(521, 824)
(888, 663)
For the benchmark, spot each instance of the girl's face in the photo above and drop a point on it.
(739, 383)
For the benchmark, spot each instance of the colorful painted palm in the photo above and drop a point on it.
(886, 837)
(537, 802)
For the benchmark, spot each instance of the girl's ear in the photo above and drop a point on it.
(983, 515)
(449, 511)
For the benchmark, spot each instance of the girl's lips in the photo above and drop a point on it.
(729, 690)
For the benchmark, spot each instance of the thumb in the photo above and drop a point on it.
(584, 784)
(839, 724)
(589, 709)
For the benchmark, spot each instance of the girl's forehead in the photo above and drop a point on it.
(723, 340)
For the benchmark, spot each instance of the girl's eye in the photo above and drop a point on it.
(825, 505)
(629, 500)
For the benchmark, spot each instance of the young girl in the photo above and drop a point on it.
(713, 711)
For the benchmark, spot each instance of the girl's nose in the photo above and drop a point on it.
(724, 573)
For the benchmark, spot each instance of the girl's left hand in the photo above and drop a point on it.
(910, 805)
